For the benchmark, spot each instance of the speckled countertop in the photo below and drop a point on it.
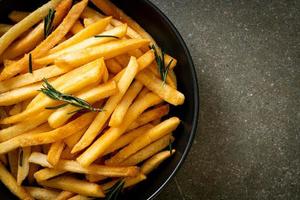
(246, 55)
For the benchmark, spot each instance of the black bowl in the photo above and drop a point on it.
(166, 35)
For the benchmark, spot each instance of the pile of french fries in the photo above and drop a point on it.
(53, 148)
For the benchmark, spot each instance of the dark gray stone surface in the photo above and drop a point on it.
(247, 58)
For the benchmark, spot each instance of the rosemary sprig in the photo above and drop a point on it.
(30, 63)
(48, 20)
(52, 93)
(56, 107)
(170, 146)
(21, 157)
(114, 192)
(160, 61)
(112, 36)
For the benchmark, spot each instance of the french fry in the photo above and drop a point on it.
(23, 164)
(10, 182)
(92, 73)
(94, 178)
(108, 108)
(55, 151)
(80, 197)
(120, 111)
(46, 44)
(88, 21)
(122, 59)
(127, 138)
(169, 81)
(61, 115)
(64, 195)
(74, 185)
(8, 62)
(33, 168)
(67, 155)
(107, 50)
(47, 137)
(47, 173)
(150, 115)
(153, 162)
(73, 139)
(113, 133)
(4, 28)
(77, 27)
(148, 151)
(42, 193)
(113, 66)
(16, 16)
(73, 166)
(17, 108)
(166, 92)
(92, 30)
(129, 181)
(25, 24)
(13, 162)
(140, 142)
(26, 126)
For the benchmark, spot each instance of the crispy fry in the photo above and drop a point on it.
(120, 111)
(47, 173)
(152, 135)
(13, 162)
(169, 81)
(107, 50)
(10, 182)
(112, 134)
(88, 21)
(33, 168)
(75, 185)
(23, 164)
(77, 27)
(55, 151)
(42, 193)
(16, 16)
(64, 195)
(8, 62)
(47, 137)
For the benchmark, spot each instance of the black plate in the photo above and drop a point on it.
(166, 35)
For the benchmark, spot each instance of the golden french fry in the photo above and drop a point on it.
(13, 162)
(148, 151)
(108, 108)
(140, 142)
(88, 21)
(74, 185)
(150, 115)
(64, 195)
(8, 62)
(17, 108)
(73, 166)
(61, 115)
(77, 27)
(169, 81)
(113, 66)
(25, 24)
(94, 178)
(23, 164)
(10, 182)
(33, 168)
(153, 162)
(113, 133)
(42, 193)
(47, 137)
(127, 138)
(47, 173)
(129, 181)
(90, 42)
(55, 151)
(107, 50)
(166, 92)
(17, 16)
(26, 126)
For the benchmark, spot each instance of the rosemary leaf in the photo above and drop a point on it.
(48, 21)
(114, 192)
(30, 63)
(170, 146)
(56, 107)
(112, 36)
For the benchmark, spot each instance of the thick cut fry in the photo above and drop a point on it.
(88, 22)
(61, 115)
(92, 30)
(120, 111)
(16, 16)
(42, 193)
(152, 135)
(168, 80)
(166, 92)
(47, 173)
(150, 115)
(34, 37)
(10, 182)
(55, 151)
(33, 168)
(7, 62)
(77, 27)
(113, 133)
(113, 66)
(47, 137)
(25, 24)
(74, 185)
(153, 162)
(23, 164)
(64, 195)
(148, 151)
(48, 43)
(93, 73)
(13, 162)
(17, 108)
(102, 117)
(90, 42)
(27, 125)
(127, 138)
(107, 50)
(95, 169)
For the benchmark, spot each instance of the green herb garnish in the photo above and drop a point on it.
(114, 192)
(30, 63)
(21, 157)
(170, 146)
(56, 107)
(48, 21)
(160, 61)
(52, 93)
(112, 36)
